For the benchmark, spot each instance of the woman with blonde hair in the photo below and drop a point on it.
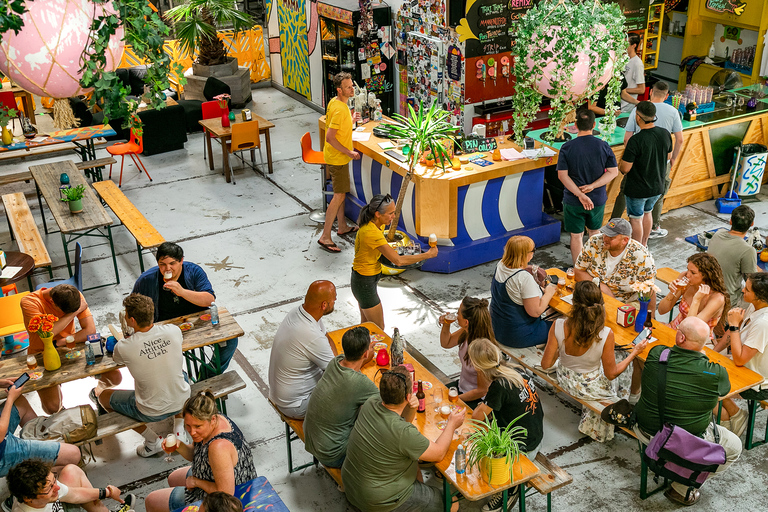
(584, 347)
(474, 321)
(221, 458)
(511, 396)
(517, 299)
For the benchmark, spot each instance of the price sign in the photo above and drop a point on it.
(479, 145)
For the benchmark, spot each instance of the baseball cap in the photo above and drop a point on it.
(617, 227)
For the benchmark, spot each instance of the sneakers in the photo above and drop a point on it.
(658, 233)
(495, 502)
(739, 422)
(130, 501)
(99, 408)
(149, 449)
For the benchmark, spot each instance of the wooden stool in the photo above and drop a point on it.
(310, 156)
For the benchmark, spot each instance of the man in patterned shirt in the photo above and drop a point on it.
(617, 261)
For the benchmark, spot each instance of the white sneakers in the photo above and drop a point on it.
(147, 449)
(658, 233)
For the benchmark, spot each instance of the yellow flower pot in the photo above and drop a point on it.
(7, 136)
(496, 471)
(51, 359)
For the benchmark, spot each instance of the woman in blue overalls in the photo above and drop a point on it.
(517, 300)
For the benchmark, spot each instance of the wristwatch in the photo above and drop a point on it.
(733, 327)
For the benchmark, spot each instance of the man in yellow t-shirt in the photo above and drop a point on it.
(338, 152)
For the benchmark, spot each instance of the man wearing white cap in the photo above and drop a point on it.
(617, 261)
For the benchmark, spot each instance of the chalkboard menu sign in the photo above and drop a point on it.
(636, 12)
(478, 145)
(493, 22)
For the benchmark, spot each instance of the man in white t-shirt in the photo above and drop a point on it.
(154, 357)
(634, 74)
(301, 351)
(36, 489)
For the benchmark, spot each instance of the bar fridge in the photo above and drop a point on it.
(371, 64)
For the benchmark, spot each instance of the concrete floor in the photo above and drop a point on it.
(258, 246)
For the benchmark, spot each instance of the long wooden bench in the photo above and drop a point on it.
(530, 358)
(147, 237)
(113, 423)
(23, 228)
(94, 167)
(551, 478)
(48, 149)
(294, 430)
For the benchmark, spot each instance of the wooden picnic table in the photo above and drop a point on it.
(213, 127)
(741, 378)
(200, 336)
(471, 485)
(72, 226)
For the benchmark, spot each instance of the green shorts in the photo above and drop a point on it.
(576, 217)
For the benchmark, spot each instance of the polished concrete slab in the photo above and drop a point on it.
(258, 246)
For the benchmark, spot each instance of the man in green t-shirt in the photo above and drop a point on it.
(337, 398)
(381, 471)
(693, 387)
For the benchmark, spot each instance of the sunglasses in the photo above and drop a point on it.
(387, 198)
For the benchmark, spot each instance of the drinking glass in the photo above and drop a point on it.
(32, 365)
(570, 273)
(169, 446)
(71, 352)
(437, 394)
(453, 394)
(561, 285)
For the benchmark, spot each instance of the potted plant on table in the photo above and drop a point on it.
(494, 450)
(644, 291)
(74, 196)
(43, 326)
(6, 114)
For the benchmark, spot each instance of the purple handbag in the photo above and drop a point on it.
(675, 453)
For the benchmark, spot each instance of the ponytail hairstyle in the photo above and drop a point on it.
(485, 355)
(201, 405)
(378, 203)
(478, 316)
(588, 314)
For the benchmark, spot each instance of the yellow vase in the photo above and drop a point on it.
(496, 471)
(7, 136)
(51, 359)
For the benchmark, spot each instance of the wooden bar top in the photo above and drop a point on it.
(47, 177)
(471, 484)
(201, 334)
(741, 378)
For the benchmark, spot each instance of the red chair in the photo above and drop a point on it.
(211, 110)
(132, 149)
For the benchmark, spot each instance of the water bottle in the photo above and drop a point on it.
(460, 460)
(214, 314)
(90, 359)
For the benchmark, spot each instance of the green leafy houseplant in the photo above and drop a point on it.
(425, 130)
(6, 114)
(196, 22)
(73, 193)
(577, 27)
(488, 441)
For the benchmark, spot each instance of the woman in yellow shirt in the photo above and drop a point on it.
(370, 244)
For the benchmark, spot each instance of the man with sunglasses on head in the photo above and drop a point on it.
(644, 165)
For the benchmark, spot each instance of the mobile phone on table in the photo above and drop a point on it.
(20, 381)
(553, 279)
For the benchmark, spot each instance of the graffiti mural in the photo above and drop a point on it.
(751, 174)
(293, 45)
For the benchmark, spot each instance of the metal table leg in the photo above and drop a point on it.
(40, 202)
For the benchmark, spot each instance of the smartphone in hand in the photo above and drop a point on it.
(20, 381)
(553, 279)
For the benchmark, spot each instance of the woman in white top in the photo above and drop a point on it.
(474, 322)
(748, 334)
(585, 348)
(517, 300)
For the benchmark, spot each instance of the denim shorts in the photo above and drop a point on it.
(18, 450)
(124, 402)
(177, 498)
(636, 207)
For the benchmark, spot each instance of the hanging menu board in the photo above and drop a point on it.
(493, 23)
(636, 12)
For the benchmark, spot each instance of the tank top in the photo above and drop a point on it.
(684, 308)
(468, 375)
(201, 467)
(590, 360)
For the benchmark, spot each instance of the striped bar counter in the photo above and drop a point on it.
(472, 211)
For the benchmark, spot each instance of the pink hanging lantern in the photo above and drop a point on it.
(45, 57)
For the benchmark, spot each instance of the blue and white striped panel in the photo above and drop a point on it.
(370, 178)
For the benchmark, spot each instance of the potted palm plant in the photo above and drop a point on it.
(74, 196)
(494, 450)
(196, 23)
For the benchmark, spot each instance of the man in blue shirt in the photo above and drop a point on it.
(585, 166)
(178, 288)
(670, 119)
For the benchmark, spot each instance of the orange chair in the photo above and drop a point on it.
(245, 136)
(310, 156)
(11, 319)
(211, 110)
(132, 149)
(9, 288)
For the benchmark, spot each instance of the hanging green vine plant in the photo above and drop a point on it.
(567, 51)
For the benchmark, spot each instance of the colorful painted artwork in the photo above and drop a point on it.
(294, 52)
(751, 170)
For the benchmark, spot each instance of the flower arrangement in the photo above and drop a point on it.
(222, 99)
(42, 325)
(6, 114)
(644, 289)
(73, 194)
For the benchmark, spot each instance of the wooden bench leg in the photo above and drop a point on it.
(752, 406)
(40, 203)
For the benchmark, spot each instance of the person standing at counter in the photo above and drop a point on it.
(338, 151)
(370, 244)
(634, 73)
(669, 118)
(585, 166)
(644, 164)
